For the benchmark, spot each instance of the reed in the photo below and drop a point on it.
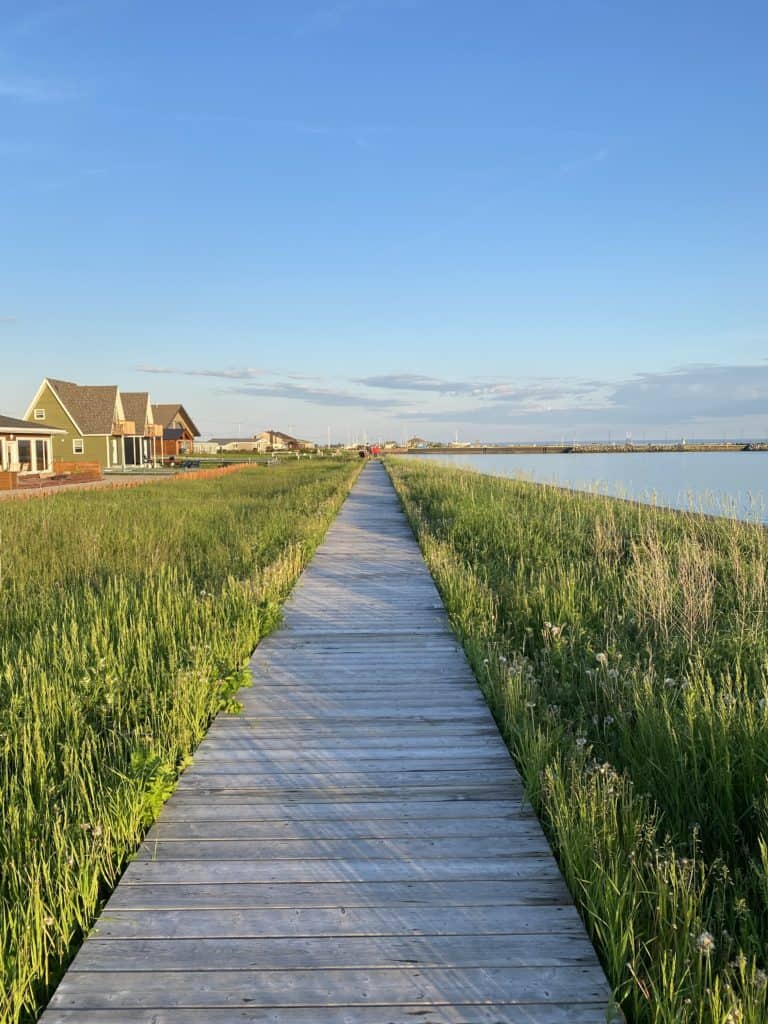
(623, 650)
(126, 620)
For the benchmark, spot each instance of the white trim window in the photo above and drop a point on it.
(39, 414)
(78, 446)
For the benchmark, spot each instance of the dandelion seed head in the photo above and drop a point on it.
(705, 943)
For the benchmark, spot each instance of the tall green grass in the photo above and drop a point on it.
(126, 618)
(624, 652)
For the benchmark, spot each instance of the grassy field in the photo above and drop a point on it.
(126, 618)
(624, 652)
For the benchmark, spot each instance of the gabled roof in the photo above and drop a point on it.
(137, 408)
(13, 426)
(94, 409)
(165, 414)
(275, 433)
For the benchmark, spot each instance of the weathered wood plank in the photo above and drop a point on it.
(508, 828)
(228, 809)
(489, 1013)
(351, 870)
(437, 848)
(349, 987)
(529, 892)
(393, 919)
(351, 951)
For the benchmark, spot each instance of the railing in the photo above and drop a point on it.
(153, 430)
(123, 428)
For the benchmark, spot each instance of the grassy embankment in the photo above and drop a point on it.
(126, 618)
(624, 652)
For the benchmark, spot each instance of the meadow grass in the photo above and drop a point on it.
(624, 652)
(126, 620)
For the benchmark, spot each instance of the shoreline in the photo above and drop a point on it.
(582, 449)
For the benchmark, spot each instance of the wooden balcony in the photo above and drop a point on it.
(123, 428)
(153, 430)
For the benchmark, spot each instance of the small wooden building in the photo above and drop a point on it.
(179, 430)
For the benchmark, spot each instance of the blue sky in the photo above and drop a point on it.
(504, 220)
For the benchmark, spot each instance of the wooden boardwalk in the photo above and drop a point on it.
(354, 848)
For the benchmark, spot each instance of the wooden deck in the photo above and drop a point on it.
(354, 848)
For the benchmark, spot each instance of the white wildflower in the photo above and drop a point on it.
(705, 943)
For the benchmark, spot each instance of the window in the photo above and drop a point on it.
(41, 455)
(25, 454)
(78, 446)
(39, 414)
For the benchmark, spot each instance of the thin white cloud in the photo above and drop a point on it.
(244, 373)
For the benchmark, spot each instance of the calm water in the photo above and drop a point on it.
(721, 483)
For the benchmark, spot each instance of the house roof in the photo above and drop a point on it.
(91, 407)
(135, 405)
(228, 440)
(165, 414)
(276, 433)
(10, 425)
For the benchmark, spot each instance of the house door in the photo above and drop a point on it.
(132, 457)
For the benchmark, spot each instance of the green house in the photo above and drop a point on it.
(93, 420)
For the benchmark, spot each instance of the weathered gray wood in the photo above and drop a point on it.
(348, 987)
(427, 811)
(529, 892)
(392, 919)
(355, 847)
(508, 828)
(279, 953)
(488, 1013)
(344, 870)
(344, 849)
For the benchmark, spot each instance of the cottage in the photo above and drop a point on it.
(210, 447)
(179, 431)
(277, 441)
(234, 444)
(91, 422)
(25, 448)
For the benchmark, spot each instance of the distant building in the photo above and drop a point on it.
(416, 442)
(277, 441)
(234, 444)
(205, 447)
(179, 430)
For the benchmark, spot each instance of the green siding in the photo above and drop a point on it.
(94, 445)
